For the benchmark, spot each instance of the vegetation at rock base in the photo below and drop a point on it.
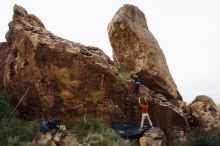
(17, 132)
(198, 137)
(95, 133)
(13, 131)
(5, 109)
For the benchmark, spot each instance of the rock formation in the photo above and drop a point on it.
(67, 79)
(71, 81)
(55, 138)
(153, 137)
(204, 113)
(3, 55)
(163, 113)
(135, 46)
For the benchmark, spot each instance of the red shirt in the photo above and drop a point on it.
(144, 108)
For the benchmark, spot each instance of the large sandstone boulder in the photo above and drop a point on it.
(135, 47)
(153, 137)
(67, 79)
(166, 115)
(71, 81)
(204, 112)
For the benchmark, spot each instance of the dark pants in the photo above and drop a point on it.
(136, 89)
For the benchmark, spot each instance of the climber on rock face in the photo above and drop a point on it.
(144, 110)
(137, 84)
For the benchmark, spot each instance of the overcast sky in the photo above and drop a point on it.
(188, 32)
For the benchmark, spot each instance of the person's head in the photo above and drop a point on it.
(143, 101)
(43, 114)
(43, 111)
(134, 76)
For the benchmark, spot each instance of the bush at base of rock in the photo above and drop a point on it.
(5, 109)
(198, 137)
(13, 131)
(95, 133)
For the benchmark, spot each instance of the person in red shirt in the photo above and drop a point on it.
(144, 110)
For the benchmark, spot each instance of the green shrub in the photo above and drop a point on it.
(13, 128)
(214, 136)
(122, 73)
(15, 132)
(85, 127)
(177, 142)
(122, 67)
(198, 137)
(15, 141)
(5, 109)
(95, 133)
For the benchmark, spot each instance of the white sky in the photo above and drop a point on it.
(188, 32)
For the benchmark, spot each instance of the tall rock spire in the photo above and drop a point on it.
(136, 47)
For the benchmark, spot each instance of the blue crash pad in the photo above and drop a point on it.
(128, 129)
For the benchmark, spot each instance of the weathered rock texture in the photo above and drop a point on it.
(166, 115)
(55, 138)
(204, 113)
(163, 113)
(70, 80)
(67, 79)
(153, 137)
(3, 55)
(135, 46)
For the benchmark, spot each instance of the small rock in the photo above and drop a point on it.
(154, 137)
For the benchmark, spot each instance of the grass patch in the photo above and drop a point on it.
(13, 131)
(5, 109)
(95, 133)
(122, 73)
(198, 137)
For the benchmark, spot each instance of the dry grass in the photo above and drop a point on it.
(122, 73)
